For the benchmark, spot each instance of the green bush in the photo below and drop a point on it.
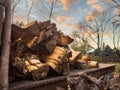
(117, 68)
(96, 58)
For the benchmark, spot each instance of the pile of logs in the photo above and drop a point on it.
(37, 48)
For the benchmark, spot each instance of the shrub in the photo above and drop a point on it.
(96, 58)
(117, 69)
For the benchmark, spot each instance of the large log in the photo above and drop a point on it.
(92, 64)
(37, 69)
(65, 40)
(76, 55)
(31, 66)
(57, 60)
(44, 24)
(25, 33)
(34, 36)
(47, 46)
(47, 32)
(80, 65)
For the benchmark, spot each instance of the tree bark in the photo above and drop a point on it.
(1, 20)
(5, 47)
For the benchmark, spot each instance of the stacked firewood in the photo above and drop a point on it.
(37, 48)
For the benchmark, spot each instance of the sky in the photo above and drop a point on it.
(66, 13)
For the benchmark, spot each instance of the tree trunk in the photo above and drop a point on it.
(29, 12)
(1, 20)
(5, 47)
(51, 10)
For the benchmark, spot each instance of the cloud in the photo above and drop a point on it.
(89, 18)
(61, 19)
(94, 4)
(66, 4)
(97, 7)
(92, 15)
(107, 35)
(72, 26)
(90, 2)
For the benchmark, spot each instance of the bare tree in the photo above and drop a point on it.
(48, 9)
(14, 5)
(116, 34)
(117, 3)
(96, 29)
(83, 37)
(29, 11)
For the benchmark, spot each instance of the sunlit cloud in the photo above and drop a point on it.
(66, 4)
(97, 7)
(72, 26)
(90, 2)
(107, 35)
(61, 19)
(92, 15)
(89, 18)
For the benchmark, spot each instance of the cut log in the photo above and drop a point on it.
(47, 32)
(76, 55)
(30, 65)
(69, 52)
(85, 58)
(80, 65)
(18, 48)
(33, 35)
(92, 64)
(47, 46)
(57, 60)
(65, 40)
(24, 35)
(45, 24)
(83, 82)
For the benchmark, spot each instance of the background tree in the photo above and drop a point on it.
(95, 28)
(29, 10)
(14, 5)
